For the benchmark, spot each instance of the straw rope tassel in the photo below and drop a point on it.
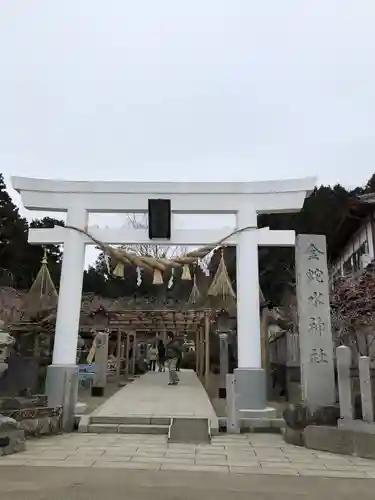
(195, 293)
(186, 274)
(221, 285)
(119, 270)
(158, 277)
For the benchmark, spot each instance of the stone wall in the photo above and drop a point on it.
(37, 421)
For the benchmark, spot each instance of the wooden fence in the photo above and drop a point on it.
(284, 349)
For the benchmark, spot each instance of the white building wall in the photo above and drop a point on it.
(364, 234)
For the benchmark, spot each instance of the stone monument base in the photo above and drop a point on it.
(299, 416)
(348, 424)
(340, 441)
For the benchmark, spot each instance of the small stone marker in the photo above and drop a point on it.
(223, 336)
(233, 425)
(344, 362)
(314, 321)
(101, 364)
(366, 389)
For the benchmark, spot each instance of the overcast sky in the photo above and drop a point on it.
(188, 90)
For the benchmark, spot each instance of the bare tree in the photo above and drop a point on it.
(353, 311)
(140, 221)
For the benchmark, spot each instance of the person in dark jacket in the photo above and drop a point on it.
(173, 353)
(161, 356)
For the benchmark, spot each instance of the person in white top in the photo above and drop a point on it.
(152, 357)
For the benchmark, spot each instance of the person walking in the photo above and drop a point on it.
(173, 353)
(180, 356)
(152, 357)
(161, 356)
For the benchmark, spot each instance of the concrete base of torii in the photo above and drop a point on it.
(251, 394)
(62, 390)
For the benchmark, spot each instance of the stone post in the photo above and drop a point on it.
(314, 321)
(344, 362)
(366, 389)
(134, 353)
(224, 363)
(233, 424)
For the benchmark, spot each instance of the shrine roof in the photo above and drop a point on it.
(124, 313)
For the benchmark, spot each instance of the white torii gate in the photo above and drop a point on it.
(246, 200)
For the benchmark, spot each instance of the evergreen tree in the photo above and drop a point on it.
(34, 253)
(17, 257)
(13, 234)
(370, 186)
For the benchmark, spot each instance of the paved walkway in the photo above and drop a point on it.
(150, 396)
(250, 454)
(37, 483)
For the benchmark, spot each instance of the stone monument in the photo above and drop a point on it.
(314, 322)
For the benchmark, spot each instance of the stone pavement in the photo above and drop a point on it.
(33, 483)
(150, 396)
(248, 454)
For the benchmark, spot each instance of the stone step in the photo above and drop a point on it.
(143, 429)
(130, 420)
(127, 429)
(189, 430)
(103, 428)
(80, 408)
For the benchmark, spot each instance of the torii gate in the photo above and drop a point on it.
(245, 199)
